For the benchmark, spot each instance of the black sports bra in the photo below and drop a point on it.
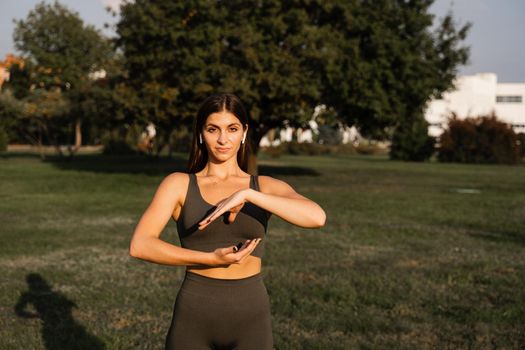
(251, 222)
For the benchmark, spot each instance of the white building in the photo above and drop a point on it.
(474, 95)
(286, 134)
(478, 95)
(349, 134)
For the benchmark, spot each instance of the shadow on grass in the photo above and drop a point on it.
(130, 164)
(271, 170)
(59, 329)
(8, 155)
(137, 164)
(500, 236)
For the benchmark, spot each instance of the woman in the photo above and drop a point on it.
(222, 214)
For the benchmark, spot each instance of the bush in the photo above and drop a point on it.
(307, 148)
(521, 140)
(479, 140)
(11, 110)
(118, 147)
(412, 142)
(371, 148)
(3, 140)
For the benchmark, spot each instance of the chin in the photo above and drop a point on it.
(222, 156)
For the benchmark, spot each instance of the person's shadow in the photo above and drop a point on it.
(59, 329)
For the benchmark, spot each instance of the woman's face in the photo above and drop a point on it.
(222, 134)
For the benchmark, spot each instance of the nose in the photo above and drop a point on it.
(222, 138)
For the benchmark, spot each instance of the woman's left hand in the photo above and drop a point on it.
(233, 203)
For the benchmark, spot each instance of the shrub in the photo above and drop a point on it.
(3, 140)
(371, 148)
(273, 151)
(307, 148)
(347, 148)
(412, 142)
(11, 110)
(117, 147)
(521, 140)
(479, 140)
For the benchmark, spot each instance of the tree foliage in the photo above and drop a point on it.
(189, 50)
(376, 63)
(63, 50)
(412, 142)
(10, 109)
(61, 54)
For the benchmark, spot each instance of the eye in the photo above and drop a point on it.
(210, 129)
(233, 129)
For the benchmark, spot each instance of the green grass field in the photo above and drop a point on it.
(413, 255)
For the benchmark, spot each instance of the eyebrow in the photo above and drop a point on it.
(232, 124)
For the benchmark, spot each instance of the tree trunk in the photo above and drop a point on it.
(39, 143)
(170, 150)
(158, 145)
(168, 143)
(78, 134)
(257, 135)
(252, 164)
(52, 137)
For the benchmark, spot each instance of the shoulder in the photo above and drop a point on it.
(175, 184)
(176, 178)
(271, 185)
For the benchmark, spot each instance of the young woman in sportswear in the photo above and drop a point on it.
(221, 213)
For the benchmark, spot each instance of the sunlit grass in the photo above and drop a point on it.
(413, 255)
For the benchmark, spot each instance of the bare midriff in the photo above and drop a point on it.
(250, 266)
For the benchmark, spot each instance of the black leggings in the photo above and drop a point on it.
(211, 313)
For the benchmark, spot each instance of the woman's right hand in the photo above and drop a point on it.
(234, 255)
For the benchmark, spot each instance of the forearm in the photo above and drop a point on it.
(158, 251)
(298, 211)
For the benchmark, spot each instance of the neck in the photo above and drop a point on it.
(222, 170)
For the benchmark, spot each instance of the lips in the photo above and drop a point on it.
(223, 150)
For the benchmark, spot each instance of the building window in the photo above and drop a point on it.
(508, 99)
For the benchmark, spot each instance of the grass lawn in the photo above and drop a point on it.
(413, 255)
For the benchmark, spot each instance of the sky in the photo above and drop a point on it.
(496, 37)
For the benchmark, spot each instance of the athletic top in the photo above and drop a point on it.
(251, 222)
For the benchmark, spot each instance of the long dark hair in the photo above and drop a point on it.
(214, 104)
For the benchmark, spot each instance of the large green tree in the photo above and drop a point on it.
(375, 63)
(386, 64)
(201, 47)
(62, 53)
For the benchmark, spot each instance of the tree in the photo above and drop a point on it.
(375, 63)
(10, 110)
(19, 82)
(110, 106)
(412, 142)
(209, 46)
(393, 65)
(44, 118)
(62, 51)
